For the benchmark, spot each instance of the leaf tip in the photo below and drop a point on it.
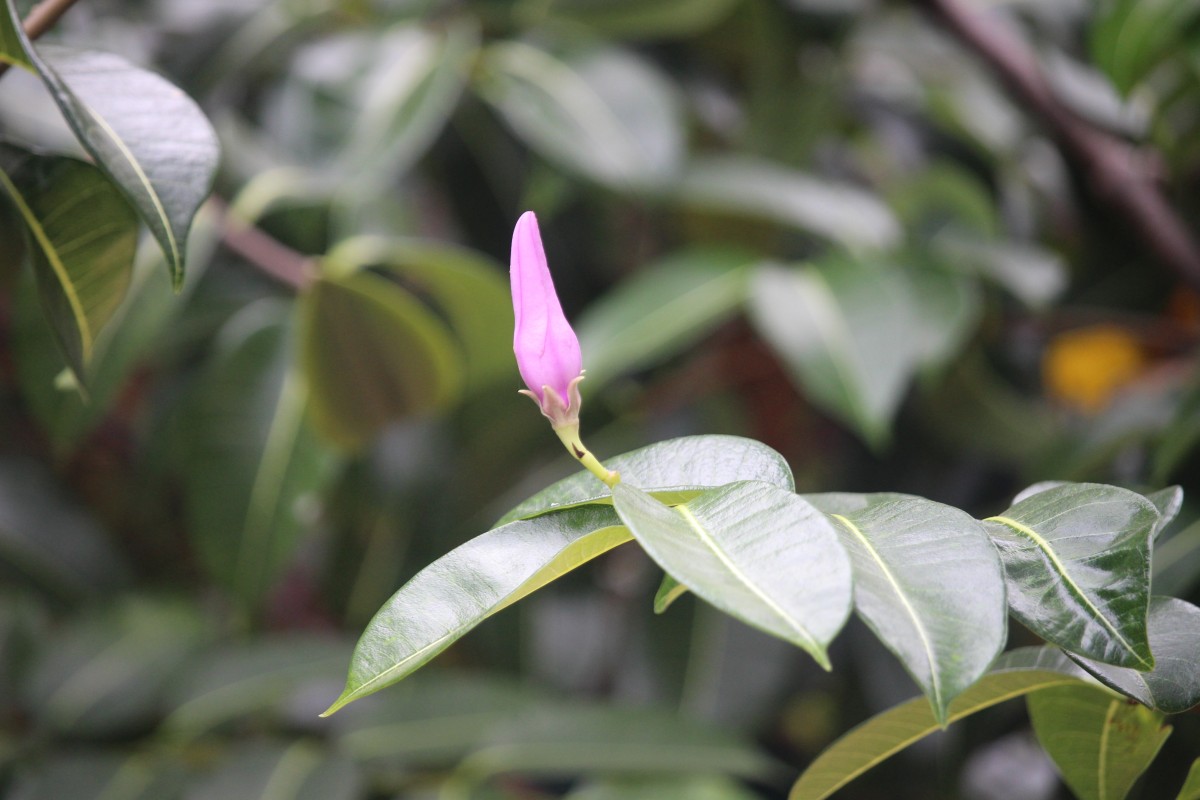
(346, 698)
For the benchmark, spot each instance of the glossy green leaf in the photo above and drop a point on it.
(637, 19)
(673, 471)
(299, 770)
(569, 739)
(468, 288)
(83, 236)
(252, 465)
(1100, 742)
(1173, 685)
(133, 338)
(12, 42)
(1168, 502)
(413, 87)
(668, 592)
(757, 552)
(469, 584)
(1077, 560)
(1036, 488)
(881, 737)
(663, 309)
(1191, 786)
(748, 187)
(928, 583)
(834, 326)
(604, 113)
(151, 139)
(372, 354)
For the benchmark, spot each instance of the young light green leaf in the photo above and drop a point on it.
(251, 462)
(1015, 674)
(1191, 786)
(604, 113)
(468, 288)
(1077, 561)
(663, 309)
(83, 237)
(1173, 686)
(372, 354)
(757, 552)
(928, 583)
(1100, 742)
(668, 592)
(469, 584)
(673, 471)
(149, 137)
(833, 325)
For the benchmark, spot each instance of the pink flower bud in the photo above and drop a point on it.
(547, 349)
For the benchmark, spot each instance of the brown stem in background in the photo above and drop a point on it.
(41, 19)
(1116, 169)
(260, 249)
(43, 16)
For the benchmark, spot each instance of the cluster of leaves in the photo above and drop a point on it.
(721, 517)
(815, 222)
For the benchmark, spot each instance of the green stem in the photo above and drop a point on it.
(569, 434)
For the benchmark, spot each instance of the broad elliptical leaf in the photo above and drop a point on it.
(1077, 561)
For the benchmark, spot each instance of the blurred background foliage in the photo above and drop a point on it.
(825, 224)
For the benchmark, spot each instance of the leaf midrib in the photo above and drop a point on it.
(143, 179)
(64, 277)
(934, 680)
(508, 599)
(1068, 581)
(708, 541)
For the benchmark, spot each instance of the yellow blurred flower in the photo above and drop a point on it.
(1085, 367)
